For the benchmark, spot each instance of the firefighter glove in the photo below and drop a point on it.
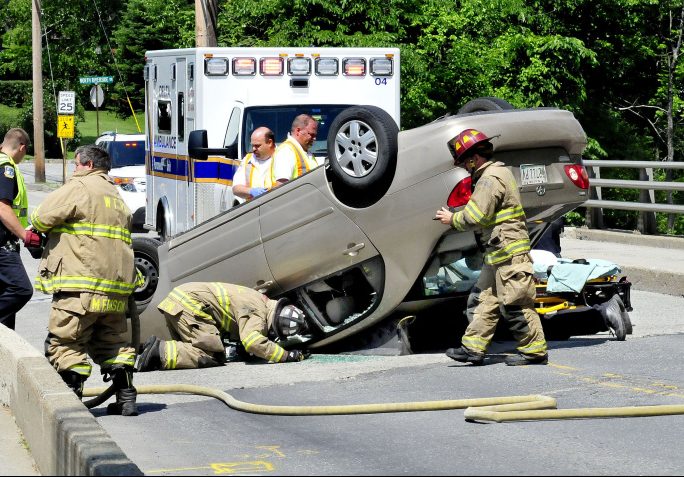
(257, 191)
(295, 355)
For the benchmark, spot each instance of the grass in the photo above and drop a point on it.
(108, 121)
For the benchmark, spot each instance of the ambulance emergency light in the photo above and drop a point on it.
(299, 66)
(354, 67)
(244, 66)
(381, 67)
(271, 66)
(215, 66)
(327, 66)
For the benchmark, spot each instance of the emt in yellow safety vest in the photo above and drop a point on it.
(253, 177)
(88, 267)
(200, 316)
(292, 158)
(15, 286)
(506, 285)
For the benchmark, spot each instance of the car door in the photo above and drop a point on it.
(306, 237)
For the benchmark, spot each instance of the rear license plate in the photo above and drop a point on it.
(532, 174)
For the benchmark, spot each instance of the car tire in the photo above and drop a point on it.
(146, 260)
(362, 154)
(489, 103)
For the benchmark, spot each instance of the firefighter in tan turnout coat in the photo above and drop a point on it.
(88, 267)
(505, 287)
(201, 315)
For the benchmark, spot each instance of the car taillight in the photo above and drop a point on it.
(461, 193)
(578, 175)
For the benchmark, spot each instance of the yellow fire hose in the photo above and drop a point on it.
(496, 409)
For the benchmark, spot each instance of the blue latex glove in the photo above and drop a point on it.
(257, 191)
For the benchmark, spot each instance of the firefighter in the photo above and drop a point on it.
(292, 158)
(88, 267)
(200, 316)
(15, 286)
(505, 286)
(253, 177)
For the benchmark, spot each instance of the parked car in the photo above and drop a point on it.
(127, 152)
(354, 240)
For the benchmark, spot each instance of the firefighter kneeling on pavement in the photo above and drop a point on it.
(200, 316)
(87, 266)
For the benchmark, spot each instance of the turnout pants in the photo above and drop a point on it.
(196, 343)
(506, 290)
(84, 324)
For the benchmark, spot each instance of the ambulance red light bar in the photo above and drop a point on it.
(271, 66)
(354, 67)
(381, 67)
(215, 66)
(299, 66)
(244, 66)
(327, 66)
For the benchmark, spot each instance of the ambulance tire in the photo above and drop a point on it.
(489, 103)
(361, 172)
(146, 260)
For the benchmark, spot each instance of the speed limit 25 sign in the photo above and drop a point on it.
(67, 102)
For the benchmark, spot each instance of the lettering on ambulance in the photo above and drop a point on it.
(164, 141)
(107, 305)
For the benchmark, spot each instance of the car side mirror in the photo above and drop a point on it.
(197, 147)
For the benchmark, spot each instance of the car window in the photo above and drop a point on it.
(127, 153)
(452, 277)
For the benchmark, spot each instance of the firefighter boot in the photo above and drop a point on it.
(612, 315)
(122, 380)
(463, 355)
(149, 358)
(74, 381)
(523, 360)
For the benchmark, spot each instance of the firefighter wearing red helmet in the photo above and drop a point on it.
(200, 315)
(505, 287)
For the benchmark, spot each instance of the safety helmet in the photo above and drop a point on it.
(465, 141)
(288, 320)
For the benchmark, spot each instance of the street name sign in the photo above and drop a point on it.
(96, 79)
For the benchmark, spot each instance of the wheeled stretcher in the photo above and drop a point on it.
(567, 289)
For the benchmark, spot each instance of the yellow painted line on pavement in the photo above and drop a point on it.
(223, 468)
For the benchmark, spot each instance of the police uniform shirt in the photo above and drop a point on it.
(8, 187)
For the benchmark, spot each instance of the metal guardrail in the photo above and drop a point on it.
(647, 205)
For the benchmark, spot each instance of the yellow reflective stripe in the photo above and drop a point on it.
(534, 347)
(475, 342)
(456, 220)
(476, 214)
(49, 285)
(224, 305)
(171, 355)
(507, 252)
(279, 352)
(506, 214)
(82, 369)
(39, 226)
(97, 230)
(124, 358)
(190, 303)
(302, 163)
(251, 339)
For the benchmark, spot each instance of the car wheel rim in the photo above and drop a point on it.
(149, 272)
(356, 148)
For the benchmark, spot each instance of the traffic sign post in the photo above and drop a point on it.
(96, 99)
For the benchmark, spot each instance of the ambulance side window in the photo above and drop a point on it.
(233, 129)
(181, 117)
(164, 116)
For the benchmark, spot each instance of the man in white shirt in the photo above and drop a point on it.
(292, 158)
(254, 176)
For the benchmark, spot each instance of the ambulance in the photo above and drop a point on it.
(229, 92)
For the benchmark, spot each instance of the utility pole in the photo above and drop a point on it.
(206, 12)
(38, 125)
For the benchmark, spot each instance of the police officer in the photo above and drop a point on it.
(88, 267)
(253, 177)
(201, 315)
(15, 287)
(505, 286)
(292, 158)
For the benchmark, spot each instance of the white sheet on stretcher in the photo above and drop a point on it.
(566, 276)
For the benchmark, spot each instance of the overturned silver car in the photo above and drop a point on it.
(353, 240)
